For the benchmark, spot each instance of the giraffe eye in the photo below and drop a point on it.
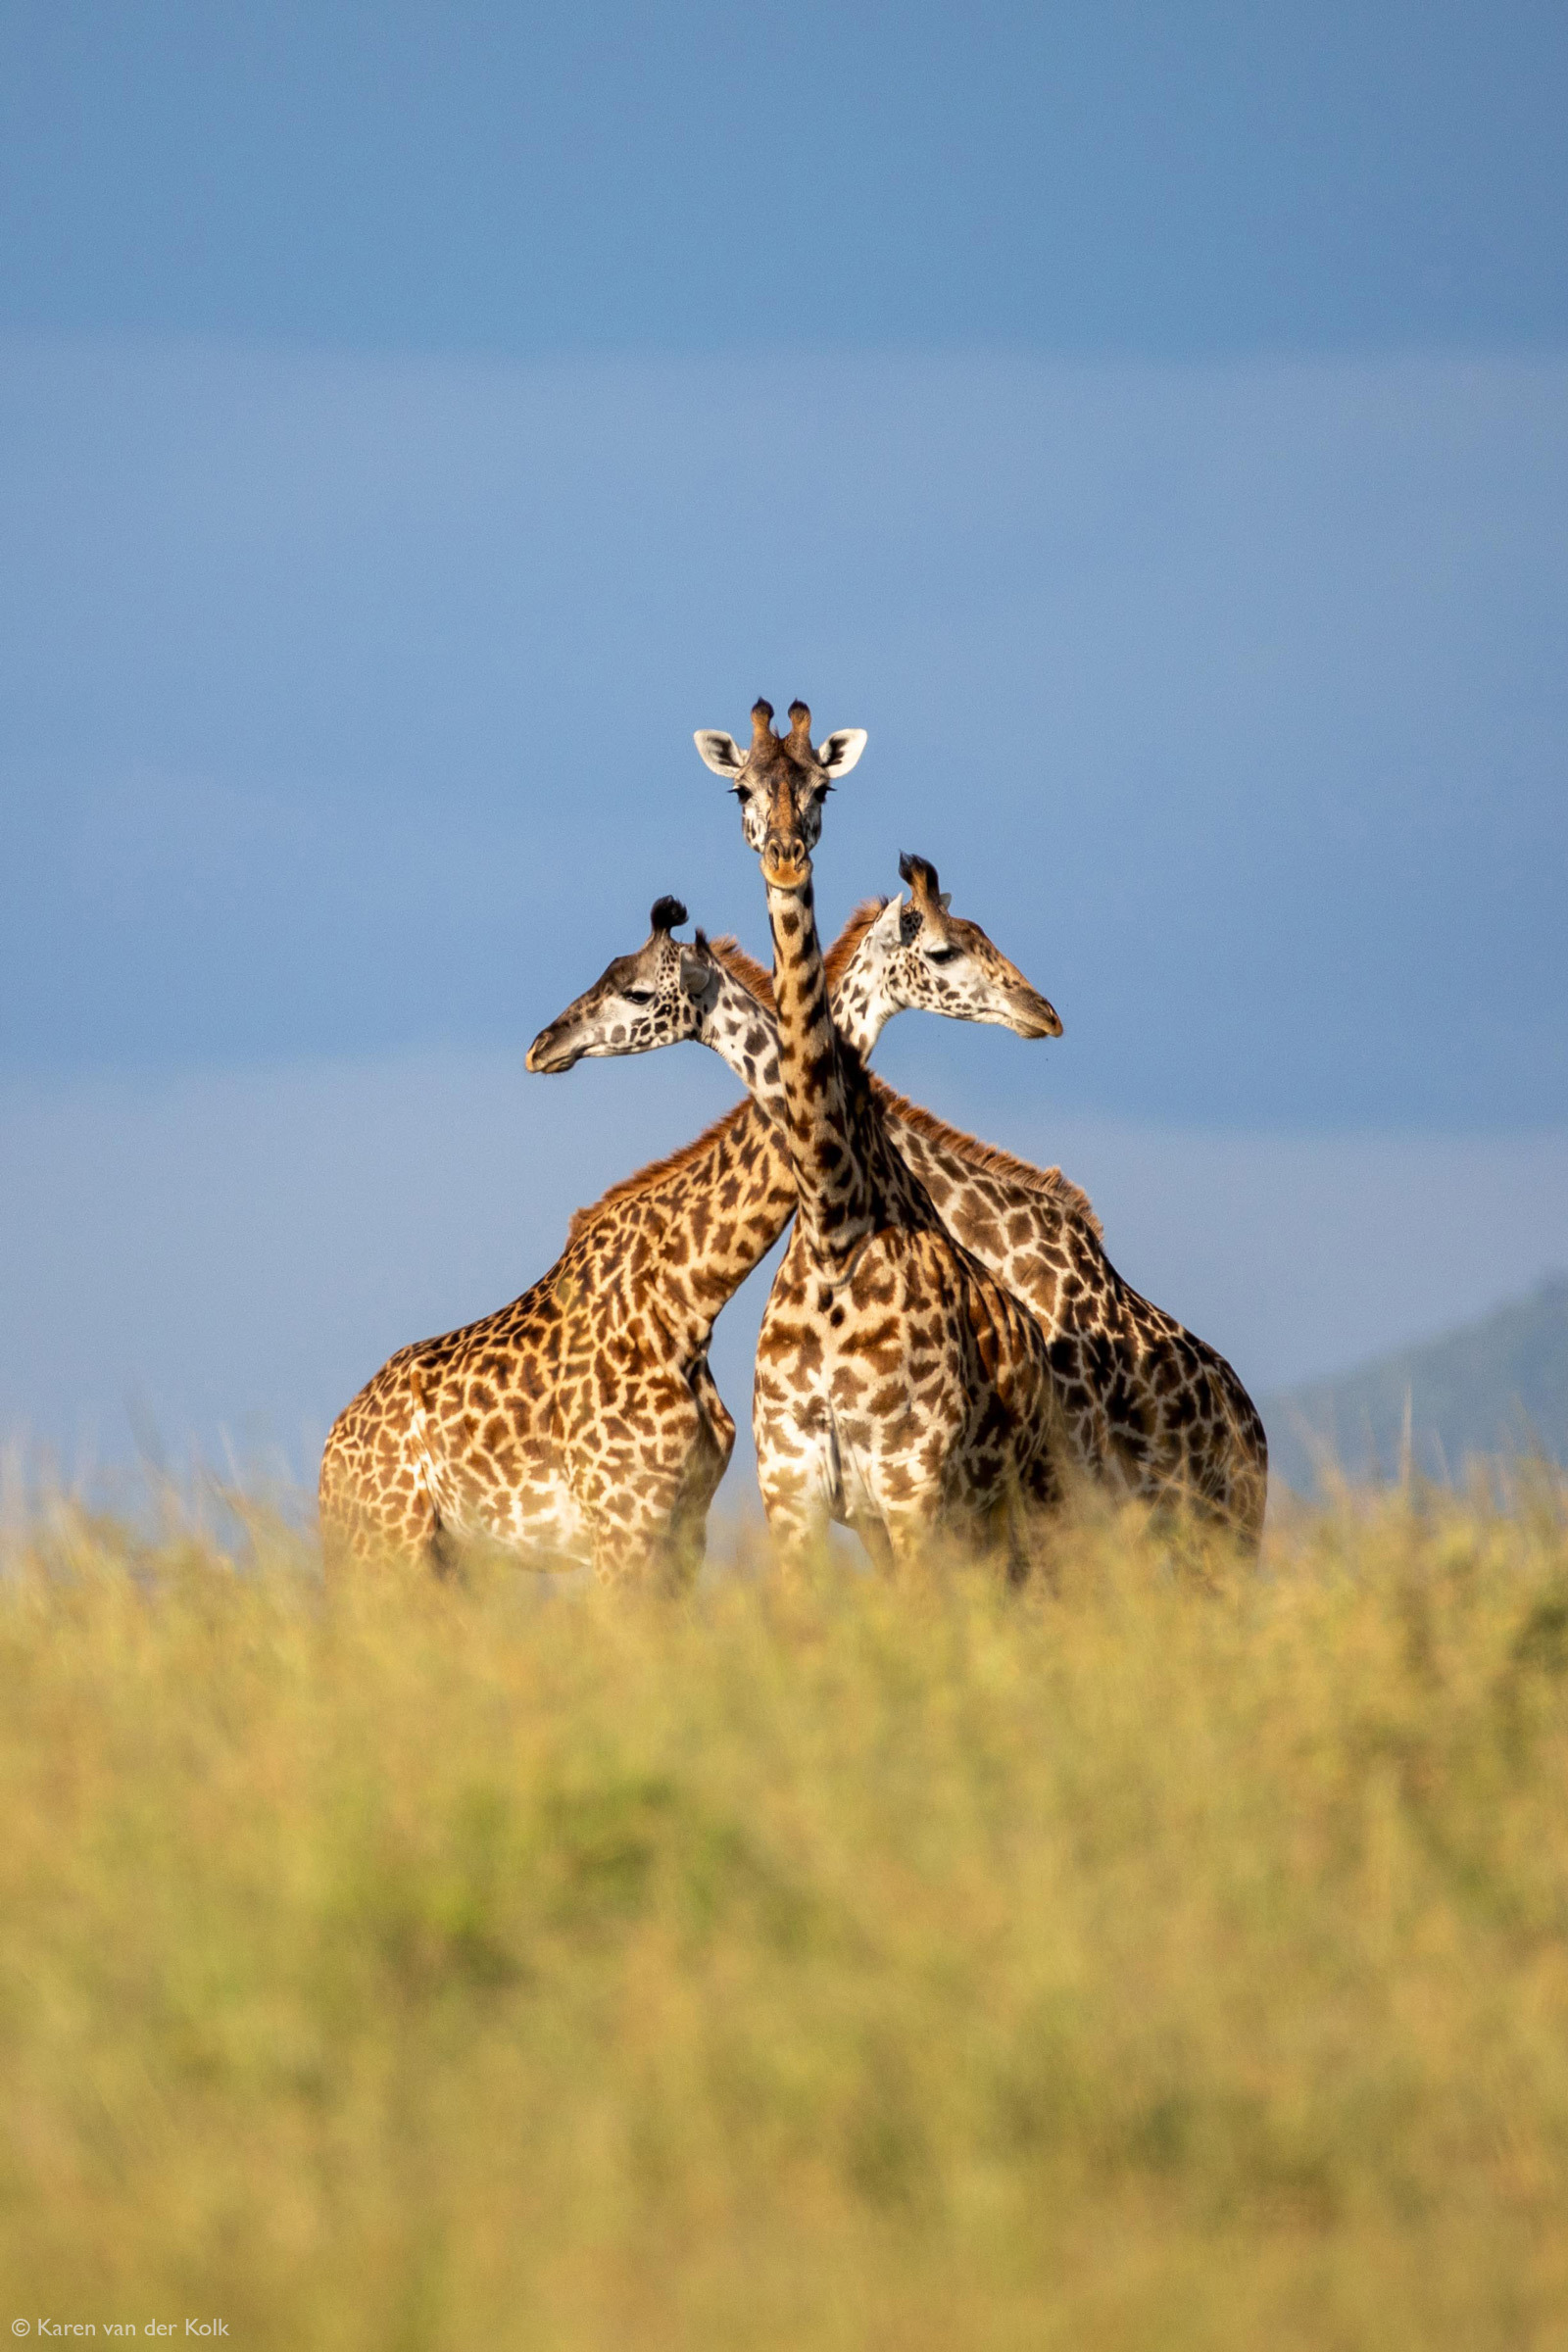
(942, 954)
(638, 995)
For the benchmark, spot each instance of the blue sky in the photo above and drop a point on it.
(349, 700)
(1145, 179)
(1151, 423)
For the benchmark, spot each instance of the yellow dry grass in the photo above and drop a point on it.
(1177, 1958)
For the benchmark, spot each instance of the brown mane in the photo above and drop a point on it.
(841, 955)
(648, 1179)
(1047, 1182)
(752, 976)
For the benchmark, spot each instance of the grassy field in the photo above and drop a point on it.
(1177, 1958)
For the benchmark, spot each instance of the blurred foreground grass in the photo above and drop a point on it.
(1180, 1958)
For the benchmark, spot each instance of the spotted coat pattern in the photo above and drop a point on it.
(1146, 1408)
(581, 1422)
(899, 1389)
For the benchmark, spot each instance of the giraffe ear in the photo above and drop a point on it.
(696, 973)
(838, 753)
(719, 752)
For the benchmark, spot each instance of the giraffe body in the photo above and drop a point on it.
(1148, 1408)
(909, 1401)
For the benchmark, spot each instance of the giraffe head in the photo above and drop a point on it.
(637, 1002)
(917, 956)
(667, 993)
(781, 783)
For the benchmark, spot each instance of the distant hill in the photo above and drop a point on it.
(1497, 1386)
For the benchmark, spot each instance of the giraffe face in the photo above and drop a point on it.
(781, 783)
(694, 996)
(638, 1003)
(935, 962)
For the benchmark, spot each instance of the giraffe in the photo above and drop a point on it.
(899, 1389)
(1149, 1410)
(581, 1422)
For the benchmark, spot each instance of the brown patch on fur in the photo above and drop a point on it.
(648, 1179)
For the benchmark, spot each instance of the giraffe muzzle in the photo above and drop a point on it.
(549, 1057)
(786, 862)
(1036, 1015)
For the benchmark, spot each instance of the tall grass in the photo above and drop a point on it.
(1179, 1957)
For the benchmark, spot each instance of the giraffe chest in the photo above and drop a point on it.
(865, 1384)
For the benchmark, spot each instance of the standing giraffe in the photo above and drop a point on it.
(581, 1422)
(899, 1389)
(1149, 1410)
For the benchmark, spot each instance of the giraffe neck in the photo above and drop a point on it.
(743, 1032)
(837, 1211)
(861, 1005)
(678, 1240)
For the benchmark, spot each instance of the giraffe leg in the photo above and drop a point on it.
(1031, 1542)
(796, 1526)
(707, 1456)
(655, 1540)
(878, 1542)
(798, 1473)
(909, 1538)
(630, 1547)
(1008, 1539)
